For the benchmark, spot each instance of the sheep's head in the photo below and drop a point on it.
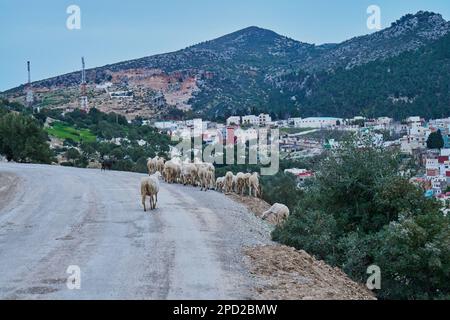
(158, 175)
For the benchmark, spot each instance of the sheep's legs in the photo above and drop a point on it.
(143, 203)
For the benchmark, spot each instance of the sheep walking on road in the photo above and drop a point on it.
(151, 165)
(189, 174)
(204, 177)
(229, 178)
(172, 171)
(150, 188)
(220, 184)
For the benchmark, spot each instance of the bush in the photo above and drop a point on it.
(359, 211)
(23, 140)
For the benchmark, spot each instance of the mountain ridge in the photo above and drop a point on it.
(239, 72)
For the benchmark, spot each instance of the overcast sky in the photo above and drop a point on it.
(117, 30)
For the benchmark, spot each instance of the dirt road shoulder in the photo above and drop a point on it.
(9, 184)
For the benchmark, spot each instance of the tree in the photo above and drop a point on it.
(23, 140)
(359, 211)
(415, 257)
(435, 140)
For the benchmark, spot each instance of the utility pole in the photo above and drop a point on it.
(83, 88)
(29, 90)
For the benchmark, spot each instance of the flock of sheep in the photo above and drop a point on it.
(201, 174)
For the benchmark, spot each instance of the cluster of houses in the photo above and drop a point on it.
(410, 136)
(264, 120)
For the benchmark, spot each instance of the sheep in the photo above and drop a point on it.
(277, 214)
(241, 182)
(189, 174)
(229, 177)
(212, 175)
(220, 184)
(160, 164)
(107, 164)
(150, 187)
(151, 165)
(253, 184)
(204, 176)
(172, 171)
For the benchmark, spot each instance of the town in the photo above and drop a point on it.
(307, 137)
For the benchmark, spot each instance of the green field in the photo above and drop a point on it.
(63, 131)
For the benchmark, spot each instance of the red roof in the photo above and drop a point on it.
(306, 174)
(442, 159)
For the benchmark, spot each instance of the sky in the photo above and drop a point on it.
(116, 30)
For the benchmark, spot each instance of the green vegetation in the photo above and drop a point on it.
(326, 135)
(435, 140)
(294, 130)
(63, 131)
(22, 138)
(359, 212)
(88, 139)
(414, 82)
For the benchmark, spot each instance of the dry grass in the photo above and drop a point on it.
(284, 273)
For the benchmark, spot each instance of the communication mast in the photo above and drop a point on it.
(83, 100)
(29, 90)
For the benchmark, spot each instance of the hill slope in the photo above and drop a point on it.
(413, 83)
(248, 71)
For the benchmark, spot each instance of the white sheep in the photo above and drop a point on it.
(241, 182)
(151, 166)
(189, 174)
(253, 185)
(172, 171)
(160, 164)
(212, 175)
(229, 177)
(150, 187)
(204, 177)
(220, 184)
(277, 214)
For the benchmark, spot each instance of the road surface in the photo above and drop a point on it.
(54, 217)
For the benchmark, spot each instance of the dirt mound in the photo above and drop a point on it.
(284, 273)
(255, 205)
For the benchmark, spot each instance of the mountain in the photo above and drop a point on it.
(257, 70)
(412, 83)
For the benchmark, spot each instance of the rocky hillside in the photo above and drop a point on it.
(248, 71)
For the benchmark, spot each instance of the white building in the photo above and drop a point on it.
(419, 134)
(166, 125)
(234, 120)
(264, 119)
(244, 136)
(293, 121)
(251, 120)
(439, 184)
(414, 121)
(317, 122)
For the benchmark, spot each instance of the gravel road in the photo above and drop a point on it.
(55, 217)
